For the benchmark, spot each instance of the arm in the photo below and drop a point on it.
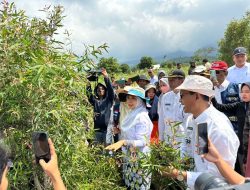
(226, 170)
(52, 170)
(226, 107)
(110, 90)
(141, 137)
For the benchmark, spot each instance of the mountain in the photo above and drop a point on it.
(178, 56)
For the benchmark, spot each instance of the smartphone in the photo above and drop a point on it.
(202, 138)
(213, 75)
(41, 146)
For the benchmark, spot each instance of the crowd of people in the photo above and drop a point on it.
(130, 114)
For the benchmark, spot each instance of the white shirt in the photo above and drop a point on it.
(171, 110)
(153, 80)
(239, 75)
(136, 129)
(220, 89)
(221, 133)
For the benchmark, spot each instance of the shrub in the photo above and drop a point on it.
(42, 89)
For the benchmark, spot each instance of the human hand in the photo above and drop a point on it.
(116, 130)
(104, 72)
(116, 145)
(213, 154)
(51, 168)
(169, 171)
(215, 81)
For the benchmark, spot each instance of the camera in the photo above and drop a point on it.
(207, 181)
(93, 74)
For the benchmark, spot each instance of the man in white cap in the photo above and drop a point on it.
(240, 72)
(195, 94)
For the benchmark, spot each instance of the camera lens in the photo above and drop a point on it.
(207, 181)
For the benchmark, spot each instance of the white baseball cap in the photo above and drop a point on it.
(199, 84)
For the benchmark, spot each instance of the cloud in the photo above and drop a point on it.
(134, 28)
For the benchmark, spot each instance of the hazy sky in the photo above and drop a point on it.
(134, 28)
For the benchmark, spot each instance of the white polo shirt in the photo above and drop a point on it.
(171, 110)
(222, 135)
(239, 75)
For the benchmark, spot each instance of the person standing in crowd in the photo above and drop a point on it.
(202, 71)
(153, 78)
(240, 72)
(171, 110)
(150, 93)
(114, 84)
(178, 65)
(164, 88)
(135, 131)
(206, 64)
(192, 67)
(225, 92)
(242, 112)
(195, 93)
(121, 83)
(161, 74)
(102, 101)
(142, 81)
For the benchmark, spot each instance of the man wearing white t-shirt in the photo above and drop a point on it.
(195, 94)
(153, 78)
(240, 72)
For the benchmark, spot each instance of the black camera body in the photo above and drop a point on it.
(93, 76)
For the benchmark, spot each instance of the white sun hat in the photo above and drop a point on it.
(199, 84)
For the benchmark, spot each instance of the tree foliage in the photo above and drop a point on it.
(145, 62)
(125, 68)
(111, 64)
(237, 34)
(42, 90)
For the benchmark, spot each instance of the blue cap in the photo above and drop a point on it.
(139, 92)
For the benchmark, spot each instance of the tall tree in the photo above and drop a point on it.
(145, 62)
(237, 34)
(110, 64)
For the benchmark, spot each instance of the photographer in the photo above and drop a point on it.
(50, 168)
(102, 101)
